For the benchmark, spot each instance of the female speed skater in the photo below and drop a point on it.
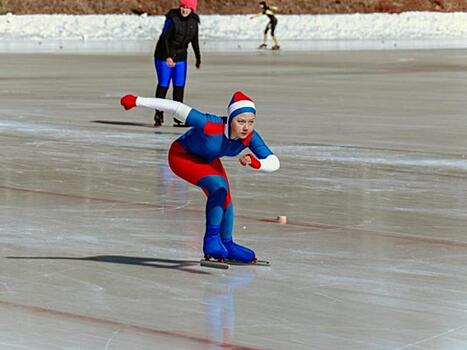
(195, 157)
(170, 56)
(268, 10)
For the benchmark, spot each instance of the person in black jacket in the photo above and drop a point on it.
(170, 56)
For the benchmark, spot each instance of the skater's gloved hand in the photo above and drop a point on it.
(128, 101)
(198, 64)
(249, 159)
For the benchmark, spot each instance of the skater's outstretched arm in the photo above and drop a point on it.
(257, 15)
(181, 111)
(267, 12)
(262, 158)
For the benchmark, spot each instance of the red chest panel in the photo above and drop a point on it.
(213, 128)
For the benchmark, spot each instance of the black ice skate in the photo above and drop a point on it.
(177, 123)
(275, 47)
(263, 46)
(158, 118)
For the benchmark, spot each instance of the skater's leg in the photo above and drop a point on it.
(163, 77)
(161, 92)
(178, 93)
(191, 167)
(273, 35)
(227, 223)
(265, 37)
(273, 28)
(216, 190)
(208, 176)
(179, 73)
(164, 73)
(266, 30)
(235, 251)
(275, 40)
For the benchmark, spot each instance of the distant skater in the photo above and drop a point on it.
(195, 157)
(268, 10)
(170, 56)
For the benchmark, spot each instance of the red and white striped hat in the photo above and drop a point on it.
(240, 103)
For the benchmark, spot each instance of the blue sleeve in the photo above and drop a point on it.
(258, 147)
(199, 120)
(167, 24)
(166, 34)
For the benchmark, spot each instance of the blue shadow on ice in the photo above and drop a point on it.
(182, 265)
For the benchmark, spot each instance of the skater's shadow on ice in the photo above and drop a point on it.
(182, 265)
(144, 125)
(112, 122)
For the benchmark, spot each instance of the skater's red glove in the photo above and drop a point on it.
(255, 164)
(128, 101)
(249, 159)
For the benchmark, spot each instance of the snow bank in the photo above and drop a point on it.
(129, 28)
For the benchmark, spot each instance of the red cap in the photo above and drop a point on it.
(189, 3)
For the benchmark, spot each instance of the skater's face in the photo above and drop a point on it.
(242, 125)
(185, 11)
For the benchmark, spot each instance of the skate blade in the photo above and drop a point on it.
(256, 263)
(214, 264)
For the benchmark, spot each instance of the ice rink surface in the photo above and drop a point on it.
(100, 242)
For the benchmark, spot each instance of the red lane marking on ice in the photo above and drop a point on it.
(302, 224)
(151, 205)
(418, 240)
(153, 331)
(408, 238)
(75, 196)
